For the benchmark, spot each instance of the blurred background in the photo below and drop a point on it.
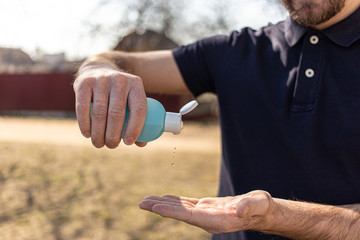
(53, 184)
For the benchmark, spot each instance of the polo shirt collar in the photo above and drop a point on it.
(343, 33)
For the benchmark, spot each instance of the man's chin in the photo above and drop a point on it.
(308, 20)
(311, 13)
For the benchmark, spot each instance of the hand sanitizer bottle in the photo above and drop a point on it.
(158, 120)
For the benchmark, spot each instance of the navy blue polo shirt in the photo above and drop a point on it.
(289, 100)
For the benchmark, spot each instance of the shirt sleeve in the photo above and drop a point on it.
(205, 63)
(196, 63)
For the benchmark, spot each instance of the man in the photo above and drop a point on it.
(289, 111)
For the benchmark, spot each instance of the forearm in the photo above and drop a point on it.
(113, 59)
(354, 207)
(305, 221)
(157, 69)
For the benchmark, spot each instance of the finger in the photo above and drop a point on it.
(162, 199)
(178, 212)
(174, 199)
(99, 113)
(206, 220)
(150, 201)
(83, 94)
(116, 114)
(192, 200)
(148, 204)
(137, 111)
(140, 144)
(254, 204)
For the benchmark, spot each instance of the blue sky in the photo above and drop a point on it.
(56, 26)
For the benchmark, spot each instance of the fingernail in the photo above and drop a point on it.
(129, 141)
(86, 134)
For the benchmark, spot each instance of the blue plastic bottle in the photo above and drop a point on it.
(158, 120)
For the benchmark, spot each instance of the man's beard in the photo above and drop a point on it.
(309, 14)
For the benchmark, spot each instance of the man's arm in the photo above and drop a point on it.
(258, 211)
(354, 207)
(302, 220)
(114, 80)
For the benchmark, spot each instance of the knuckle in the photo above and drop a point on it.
(119, 83)
(77, 82)
(125, 82)
(138, 83)
(116, 113)
(81, 107)
(139, 109)
(83, 83)
(137, 80)
(117, 78)
(101, 83)
(100, 111)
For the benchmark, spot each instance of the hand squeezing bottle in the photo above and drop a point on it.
(158, 120)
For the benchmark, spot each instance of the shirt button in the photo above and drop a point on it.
(314, 39)
(309, 73)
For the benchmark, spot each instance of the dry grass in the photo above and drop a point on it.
(60, 190)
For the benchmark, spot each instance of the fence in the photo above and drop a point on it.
(50, 92)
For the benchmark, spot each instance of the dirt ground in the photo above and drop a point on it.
(54, 185)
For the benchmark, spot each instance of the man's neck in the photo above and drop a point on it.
(350, 7)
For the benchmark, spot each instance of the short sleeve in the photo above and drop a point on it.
(196, 63)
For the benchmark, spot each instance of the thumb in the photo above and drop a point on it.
(254, 204)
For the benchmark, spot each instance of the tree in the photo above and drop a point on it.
(157, 15)
(168, 17)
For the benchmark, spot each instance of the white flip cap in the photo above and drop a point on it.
(173, 121)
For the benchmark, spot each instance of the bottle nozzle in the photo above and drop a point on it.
(173, 121)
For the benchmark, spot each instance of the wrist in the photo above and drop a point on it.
(266, 221)
(93, 65)
(256, 210)
(275, 218)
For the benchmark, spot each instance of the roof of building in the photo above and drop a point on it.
(14, 56)
(145, 40)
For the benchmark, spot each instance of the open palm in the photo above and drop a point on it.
(215, 215)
